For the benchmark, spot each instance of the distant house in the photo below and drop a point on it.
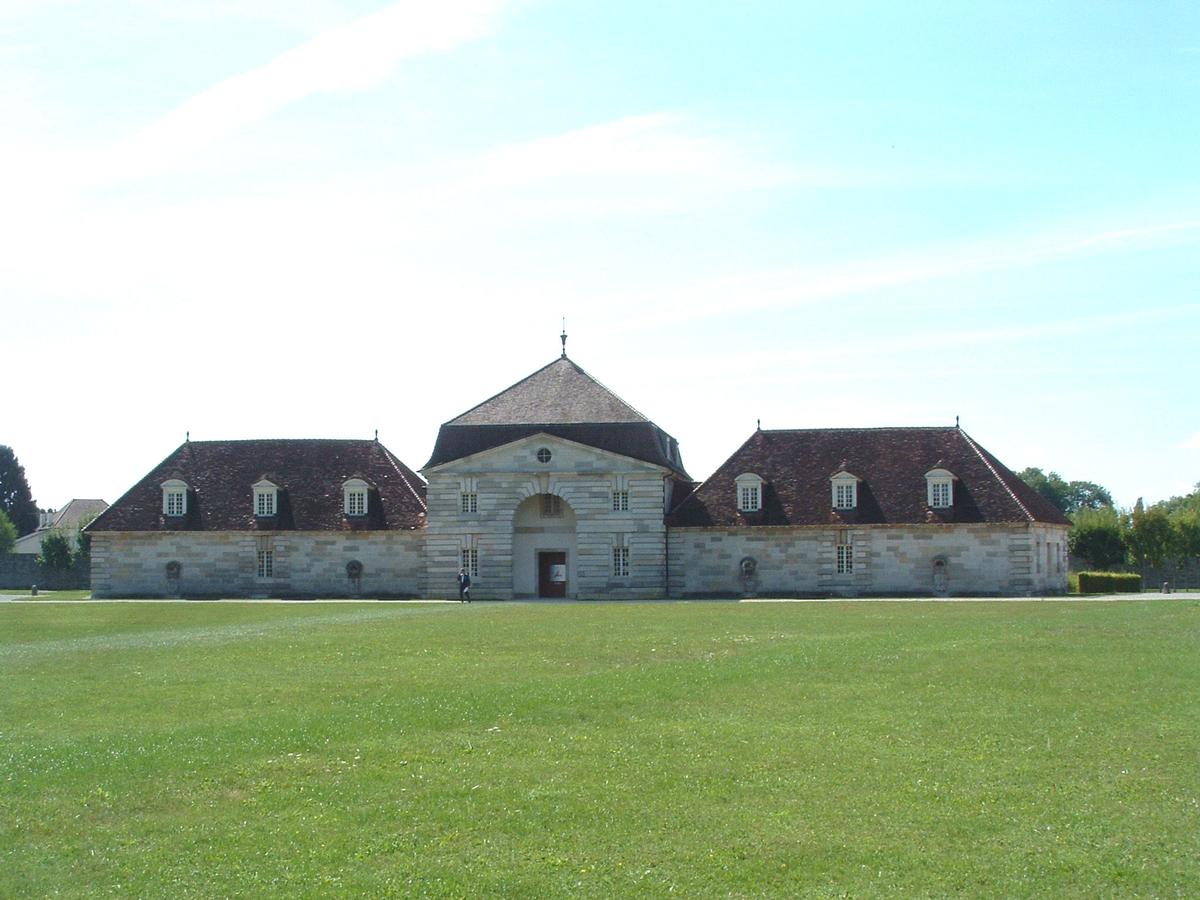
(556, 487)
(68, 520)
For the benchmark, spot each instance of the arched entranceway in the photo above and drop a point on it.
(544, 549)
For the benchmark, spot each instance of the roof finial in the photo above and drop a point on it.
(187, 437)
(376, 434)
(758, 425)
(956, 422)
(563, 337)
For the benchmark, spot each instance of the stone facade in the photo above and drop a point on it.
(507, 528)
(226, 564)
(905, 559)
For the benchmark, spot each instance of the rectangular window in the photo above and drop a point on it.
(470, 561)
(620, 561)
(175, 503)
(266, 563)
(620, 501)
(470, 502)
(551, 505)
(749, 498)
(845, 554)
(356, 503)
(844, 496)
(264, 503)
(941, 494)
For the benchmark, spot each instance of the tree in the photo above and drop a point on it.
(56, 550)
(8, 533)
(1096, 536)
(15, 497)
(1087, 495)
(1148, 534)
(1051, 486)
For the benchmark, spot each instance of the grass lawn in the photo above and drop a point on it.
(1004, 749)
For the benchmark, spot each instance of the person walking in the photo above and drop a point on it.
(464, 586)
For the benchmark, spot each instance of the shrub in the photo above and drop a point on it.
(1109, 583)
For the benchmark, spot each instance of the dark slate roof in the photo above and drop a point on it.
(796, 467)
(309, 474)
(561, 393)
(562, 400)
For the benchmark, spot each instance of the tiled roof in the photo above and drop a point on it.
(563, 400)
(561, 393)
(77, 513)
(796, 467)
(309, 474)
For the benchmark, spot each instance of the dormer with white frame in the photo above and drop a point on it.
(175, 497)
(843, 489)
(749, 492)
(355, 500)
(939, 488)
(266, 498)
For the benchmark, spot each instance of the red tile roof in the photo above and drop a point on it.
(892, 462)
(309, 474)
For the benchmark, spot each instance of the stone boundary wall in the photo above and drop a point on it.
(224, 564)
(21, 570)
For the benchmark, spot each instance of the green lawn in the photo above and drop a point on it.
(1003, 749)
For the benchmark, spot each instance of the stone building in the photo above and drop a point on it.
(265, 518)
(556, 487)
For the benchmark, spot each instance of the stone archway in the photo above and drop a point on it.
(544, 548)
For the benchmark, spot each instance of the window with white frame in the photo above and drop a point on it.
(620, 501)
(620, 566)
(470, 502)
(354, 497)
(551, 506)
(174, 497)
(265, 559)
(845, 554)
(265, 494)
(470, 560)
(845, 490)
(749, 492)
(939, 488)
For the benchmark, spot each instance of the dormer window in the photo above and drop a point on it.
(354, 497)
(174, 497)
(749, 492)
(844, 489)
(940, 488)
(266, 498)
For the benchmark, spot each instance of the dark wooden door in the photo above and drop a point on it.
(552, 574)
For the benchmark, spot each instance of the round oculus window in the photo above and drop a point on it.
(543, 455)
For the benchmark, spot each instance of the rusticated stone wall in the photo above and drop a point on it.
(974, 559)
(226, 564)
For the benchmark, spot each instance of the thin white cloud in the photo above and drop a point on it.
(789, 288)
(352, 57)
(1193, 442)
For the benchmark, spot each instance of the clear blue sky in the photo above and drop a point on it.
(309, 219)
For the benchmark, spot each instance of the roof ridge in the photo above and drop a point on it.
(467, 412)
(396, 465)
(860, 428)
(607, 388)
(1004, 484)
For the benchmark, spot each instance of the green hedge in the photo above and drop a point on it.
(1109, 583)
